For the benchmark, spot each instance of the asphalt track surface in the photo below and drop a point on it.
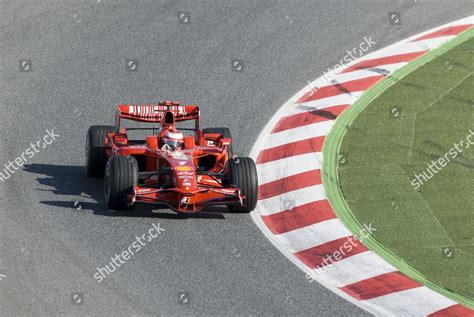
(51, 245)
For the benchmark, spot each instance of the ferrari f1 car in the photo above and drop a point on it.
(186, 173)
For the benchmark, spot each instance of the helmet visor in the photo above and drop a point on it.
(174, 144)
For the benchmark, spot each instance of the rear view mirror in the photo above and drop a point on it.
(226, 141)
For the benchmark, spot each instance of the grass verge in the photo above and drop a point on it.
(389, 136)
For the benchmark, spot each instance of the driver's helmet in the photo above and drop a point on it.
(173, 138)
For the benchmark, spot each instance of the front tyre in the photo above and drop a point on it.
(243, 175)
(121, 175)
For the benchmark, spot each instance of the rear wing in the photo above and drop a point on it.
(155, 112)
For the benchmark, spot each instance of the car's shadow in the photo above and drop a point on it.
(72, 181)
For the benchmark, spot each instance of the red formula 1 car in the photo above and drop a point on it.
(184, 172)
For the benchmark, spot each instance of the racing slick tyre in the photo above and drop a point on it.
(121, 175)
(243, 174)
(225, 132)
(95, 149)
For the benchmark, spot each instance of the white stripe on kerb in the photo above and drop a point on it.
(290, 200)
(288, 166)
(314, 235)
(420, 301)
(298, 134)
(354, 269)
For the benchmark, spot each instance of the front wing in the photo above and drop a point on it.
(188, 202)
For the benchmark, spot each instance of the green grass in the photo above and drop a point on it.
(435, 104)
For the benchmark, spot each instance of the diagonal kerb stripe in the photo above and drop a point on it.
(453, 311)
(394, 59)
(298, 134)
(309, 117)
(357, 268)
(299, 217)
(331, 252)
(338, 89)
(311, 145)
(450, 30)
(289, 184)
(380, 285)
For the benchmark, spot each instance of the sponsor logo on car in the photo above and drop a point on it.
(187, 174)
(155, 110)
(183, 168)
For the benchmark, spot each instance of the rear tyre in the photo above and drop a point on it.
(223, 131)
(243, 174)
(121, 175)
(96, 157)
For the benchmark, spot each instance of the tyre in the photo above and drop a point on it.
(95, 149)
(243, 174)
(223, 131)
(121, 175)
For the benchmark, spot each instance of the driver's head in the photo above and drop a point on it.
(173, 138)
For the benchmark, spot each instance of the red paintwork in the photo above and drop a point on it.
(183, 181)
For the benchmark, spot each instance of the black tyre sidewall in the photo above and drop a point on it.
(121, 175)
(96, 157)
(243, 175)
